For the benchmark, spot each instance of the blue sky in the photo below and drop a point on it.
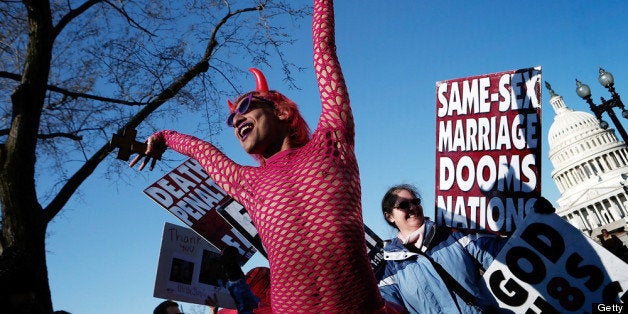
(104, 246)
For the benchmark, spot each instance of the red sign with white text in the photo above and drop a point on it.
(189, 194)
(488, 149)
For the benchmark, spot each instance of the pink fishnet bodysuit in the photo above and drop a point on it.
(305, 202)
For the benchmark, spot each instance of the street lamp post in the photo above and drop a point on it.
(606, 79)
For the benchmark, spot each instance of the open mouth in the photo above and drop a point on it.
(412, 215)
(244, 130)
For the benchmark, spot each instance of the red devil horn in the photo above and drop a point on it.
(260, 80)
(231, 106)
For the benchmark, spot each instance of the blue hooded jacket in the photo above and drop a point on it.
(410, 279)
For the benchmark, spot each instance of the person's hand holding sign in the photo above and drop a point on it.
(155, 147)
(543, 206)
(127, 145)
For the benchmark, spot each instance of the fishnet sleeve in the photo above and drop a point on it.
(224, 171)
(336, 113)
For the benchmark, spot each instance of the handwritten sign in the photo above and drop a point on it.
(190, 270)
(488, 149)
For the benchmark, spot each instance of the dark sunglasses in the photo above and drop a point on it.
(244, 107)
(407, 204)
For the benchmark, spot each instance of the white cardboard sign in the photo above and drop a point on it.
(189, 269)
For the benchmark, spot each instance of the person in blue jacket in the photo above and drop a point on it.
(436, 269)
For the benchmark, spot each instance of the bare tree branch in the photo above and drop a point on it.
(75, 137)
(56, 135)
(59, 56)
(88, 168)
(73, 14)
(128, 18)
(75, 95)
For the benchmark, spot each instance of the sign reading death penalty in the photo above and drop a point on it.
(189, 194)
(488, 149)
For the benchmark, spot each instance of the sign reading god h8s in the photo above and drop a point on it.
(548, 266)
(488, 149)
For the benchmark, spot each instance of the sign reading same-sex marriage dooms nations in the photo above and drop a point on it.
(548, 266)
(488, 149)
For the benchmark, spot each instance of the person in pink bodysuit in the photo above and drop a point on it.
(305, 197)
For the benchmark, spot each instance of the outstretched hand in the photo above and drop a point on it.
(543, 206)
(154, 149)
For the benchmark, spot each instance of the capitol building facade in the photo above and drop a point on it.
(590, 170)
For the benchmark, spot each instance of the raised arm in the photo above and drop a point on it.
(336, 113)
(224, 171)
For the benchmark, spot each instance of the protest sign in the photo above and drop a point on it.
(548, 266)
(375, 251)
(488, 149)
(237, 216)
(190, 195)
(234, 213)
(190, 269)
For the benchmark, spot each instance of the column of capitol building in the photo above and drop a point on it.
(590, 170)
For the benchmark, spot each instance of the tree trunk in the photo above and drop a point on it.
(23, 223)
(24, 270)
(43, 298)
(24, 220)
